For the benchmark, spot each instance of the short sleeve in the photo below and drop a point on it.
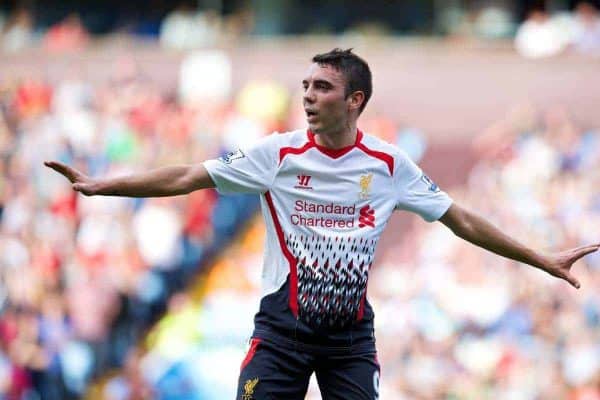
(417, 193)
(249, 170)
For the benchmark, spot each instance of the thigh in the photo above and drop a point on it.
(272, 373)
(349, 377)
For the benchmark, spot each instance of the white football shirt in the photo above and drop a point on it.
(324, 212)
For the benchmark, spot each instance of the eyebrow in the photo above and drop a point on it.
(318, 81)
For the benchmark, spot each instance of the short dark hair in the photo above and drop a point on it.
(355, 69)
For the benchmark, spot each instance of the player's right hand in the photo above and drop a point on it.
(80, 181)
(560, 264)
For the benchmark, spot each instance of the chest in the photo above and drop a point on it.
(349, 181)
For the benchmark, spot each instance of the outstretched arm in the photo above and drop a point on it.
(160, 182)
(473, 228)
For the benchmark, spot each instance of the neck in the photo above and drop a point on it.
(337, 140)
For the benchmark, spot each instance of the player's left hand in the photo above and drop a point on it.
(560, 264)
(80, 182)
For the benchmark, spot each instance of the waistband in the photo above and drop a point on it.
(363, 346)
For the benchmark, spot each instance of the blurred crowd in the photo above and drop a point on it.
(453, 322)
(539, 30)
(18, 32)
(183, 27)
(81, 279)
(544, 34)
(456, 322)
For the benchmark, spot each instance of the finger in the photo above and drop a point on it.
(584, 251)
(57, 166)
(81, 187)
(84, 188)
(572, 280)
(587, 247)
(63, 169)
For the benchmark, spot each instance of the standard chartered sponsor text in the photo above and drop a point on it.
(337, 216)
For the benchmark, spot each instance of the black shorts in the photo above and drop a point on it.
(274, 372)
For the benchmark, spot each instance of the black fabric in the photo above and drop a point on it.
(277, 373)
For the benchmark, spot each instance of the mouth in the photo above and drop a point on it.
(311, 115)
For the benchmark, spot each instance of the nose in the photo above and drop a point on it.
(309, 96)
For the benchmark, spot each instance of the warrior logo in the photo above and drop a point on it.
(303, 182)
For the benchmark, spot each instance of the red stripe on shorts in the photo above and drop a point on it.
(253, 347)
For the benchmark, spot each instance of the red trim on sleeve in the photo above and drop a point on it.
(253, 347)
(293, 300)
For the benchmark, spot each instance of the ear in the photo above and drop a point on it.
(355, 100)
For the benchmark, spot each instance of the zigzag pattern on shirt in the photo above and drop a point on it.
(332, 277)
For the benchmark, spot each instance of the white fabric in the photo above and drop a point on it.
(315, 195)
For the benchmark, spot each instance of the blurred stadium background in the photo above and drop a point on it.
(111, 298)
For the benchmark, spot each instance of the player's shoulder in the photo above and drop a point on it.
(295, 138)
(376, 144)
(278, 140)
(285, 139)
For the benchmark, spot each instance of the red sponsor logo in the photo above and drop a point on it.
(366, 217)
(303, 182)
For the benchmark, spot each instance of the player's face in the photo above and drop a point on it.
(324, 99)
